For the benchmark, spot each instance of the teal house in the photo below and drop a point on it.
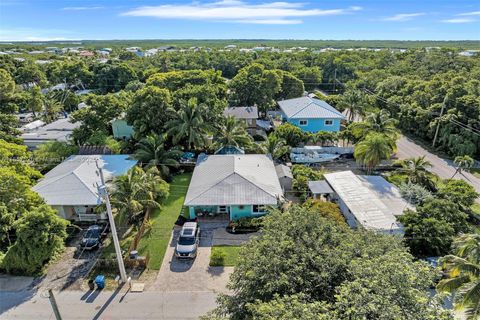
(233, 185)
(311, 114)
(121, 129)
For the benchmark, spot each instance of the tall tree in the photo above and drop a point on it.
(138, 191)
(151, 153)
(275, 146)
(372, 150)
(355, 102)
(231, 132)
(463, 269)
(463, 163)
(189, 126)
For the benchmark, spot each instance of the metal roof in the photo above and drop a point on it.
(319, 187)
(242, 112)
(371, 199)
(240, 179)
(59, 130)
(283, 171)
(308, 108)
(74, 181)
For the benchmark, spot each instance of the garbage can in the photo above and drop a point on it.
(100, 281)
(91, 284)
(133, 254)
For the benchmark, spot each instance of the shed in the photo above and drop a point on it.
(319, 188)
(285, 176)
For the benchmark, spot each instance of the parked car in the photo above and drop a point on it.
(92, 238)
(188, 241)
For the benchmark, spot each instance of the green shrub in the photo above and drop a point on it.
(217, 258)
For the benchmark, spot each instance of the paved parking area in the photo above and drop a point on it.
(190, 276)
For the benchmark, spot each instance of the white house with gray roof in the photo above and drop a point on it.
(71, 187)
(369, 201)
(235, 185)
(311, 114)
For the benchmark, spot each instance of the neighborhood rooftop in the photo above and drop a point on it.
(306, 107)
(242, 112)
(372, 200)
(241, 179)
(74, 181)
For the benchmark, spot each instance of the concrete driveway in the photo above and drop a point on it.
(192, 276)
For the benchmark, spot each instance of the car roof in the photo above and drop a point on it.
(187, 225)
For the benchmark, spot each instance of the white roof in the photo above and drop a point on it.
(283, 171)
(308, 108)
(59, 130)
(240, 179)
(74, 181)
(371, 199)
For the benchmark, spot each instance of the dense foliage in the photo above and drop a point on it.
(303, 261)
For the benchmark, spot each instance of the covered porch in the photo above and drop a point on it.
(87, 213)
(231, 212)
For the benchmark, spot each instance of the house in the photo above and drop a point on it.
(71, 187)
(247, 114)
(311, 114)
(369, 201)
(235, 186)
(59, 130)
(121, 129)
(285, 177)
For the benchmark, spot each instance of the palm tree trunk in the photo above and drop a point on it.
(141, 231)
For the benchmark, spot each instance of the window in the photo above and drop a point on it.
(328, 122)
(303, 122)
(258, 209)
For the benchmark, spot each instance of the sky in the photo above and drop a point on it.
(43, 20)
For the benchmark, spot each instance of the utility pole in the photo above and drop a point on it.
(102, 190)
(438, 123)
(334, 80)
(53, 302)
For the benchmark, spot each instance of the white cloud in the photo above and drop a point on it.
(473, 13)
(81, 8)
(458, 20)
(404, 16)
(237, 11)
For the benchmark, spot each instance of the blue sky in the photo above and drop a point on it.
(42, 20)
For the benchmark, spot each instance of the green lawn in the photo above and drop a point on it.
(156, 240)
(230, 258)
(476, 208)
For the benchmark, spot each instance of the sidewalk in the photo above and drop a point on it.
(118, 304)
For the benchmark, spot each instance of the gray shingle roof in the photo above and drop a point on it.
(308, 108)
(74, 181)
(242, 112)
(283, 171)
(240, 179)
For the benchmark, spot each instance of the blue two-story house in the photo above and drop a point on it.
(311, 114)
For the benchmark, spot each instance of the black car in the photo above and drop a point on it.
(92, 238)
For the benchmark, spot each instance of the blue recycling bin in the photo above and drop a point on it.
(100, 281)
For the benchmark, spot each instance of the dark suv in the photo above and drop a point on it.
(92, 238)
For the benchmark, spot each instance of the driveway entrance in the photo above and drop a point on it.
(193, 275)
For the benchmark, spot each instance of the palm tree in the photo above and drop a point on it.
(372, 150)
(136, 191)
(354, 101)
(275, 146)
(463, 270)
(231, 132)
(462, 163)
(378, 122)
(324, 137)
(151, 152)
(51, 108)
(417, 171)
(189, 125)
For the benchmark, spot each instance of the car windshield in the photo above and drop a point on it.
(91, 234)
(186, 241)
